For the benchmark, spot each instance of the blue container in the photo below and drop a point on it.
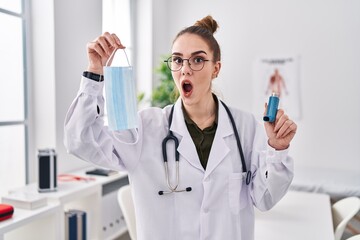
(272, 108)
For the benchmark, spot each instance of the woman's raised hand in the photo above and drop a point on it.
(280, 132)
(99, 51)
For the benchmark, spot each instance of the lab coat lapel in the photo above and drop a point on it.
(219, 148)
(186, 145)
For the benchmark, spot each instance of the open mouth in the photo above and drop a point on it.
(187, 88)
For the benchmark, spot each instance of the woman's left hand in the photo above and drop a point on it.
(280, 132)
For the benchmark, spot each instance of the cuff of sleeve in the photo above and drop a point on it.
(91, 87)
(275, 156)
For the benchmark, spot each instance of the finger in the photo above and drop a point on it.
(280, 123)
(109, 61)
(286, 133)
(105, 45)
(113, 40)
(266, 106)
(291, 130)
(120, 45)
(95, 47)
(285, 129)
(280, 119)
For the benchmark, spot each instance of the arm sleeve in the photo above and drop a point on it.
(272, 172)
(86, 137)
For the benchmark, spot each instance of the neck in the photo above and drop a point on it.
(203, 113)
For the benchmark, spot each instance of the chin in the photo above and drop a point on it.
(188, 100)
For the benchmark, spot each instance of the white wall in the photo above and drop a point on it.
(325, 33)
(60, 31)
(42, 81)
(76, 23)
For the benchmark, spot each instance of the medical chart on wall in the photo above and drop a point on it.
(280, 75)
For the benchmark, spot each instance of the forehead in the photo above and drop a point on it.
(189, 43)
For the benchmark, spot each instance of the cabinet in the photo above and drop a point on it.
(92, 196)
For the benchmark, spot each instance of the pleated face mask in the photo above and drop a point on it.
(120, 96)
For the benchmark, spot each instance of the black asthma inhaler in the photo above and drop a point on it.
(272, 108)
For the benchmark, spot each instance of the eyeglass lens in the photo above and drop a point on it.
(196, 63)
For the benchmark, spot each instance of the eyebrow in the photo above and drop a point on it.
(192, 54)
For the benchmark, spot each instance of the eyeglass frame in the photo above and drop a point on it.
(182, 63)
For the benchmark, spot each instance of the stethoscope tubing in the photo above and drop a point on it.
(171, 137)
(168, 179)
(248, 173)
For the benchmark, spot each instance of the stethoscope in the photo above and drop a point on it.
(171, 137)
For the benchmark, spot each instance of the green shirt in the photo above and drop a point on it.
(202, 139)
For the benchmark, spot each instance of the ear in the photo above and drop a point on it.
(217, 68)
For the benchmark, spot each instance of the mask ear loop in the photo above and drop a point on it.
(108, 62)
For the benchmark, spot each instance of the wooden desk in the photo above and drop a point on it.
(298, 216)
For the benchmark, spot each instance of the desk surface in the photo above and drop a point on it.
(22, 217)
(336, 183)
(69, 190)
(298, 216)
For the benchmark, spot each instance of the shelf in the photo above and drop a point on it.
(22, 218)
(50, 219)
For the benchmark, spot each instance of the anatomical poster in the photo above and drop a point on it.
(280, 76)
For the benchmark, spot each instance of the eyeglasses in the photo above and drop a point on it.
(175, 63)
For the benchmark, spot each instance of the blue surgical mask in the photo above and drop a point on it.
(120, 93)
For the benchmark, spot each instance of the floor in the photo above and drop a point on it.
(124, 237)
(352, 228)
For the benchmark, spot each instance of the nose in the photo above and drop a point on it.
(186, 67)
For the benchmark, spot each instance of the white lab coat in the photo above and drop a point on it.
(220, 205)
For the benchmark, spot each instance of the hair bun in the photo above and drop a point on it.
(208, 23)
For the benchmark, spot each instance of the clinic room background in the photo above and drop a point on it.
(315, 44)
(322, 36)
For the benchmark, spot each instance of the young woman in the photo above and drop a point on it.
(221, 176)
